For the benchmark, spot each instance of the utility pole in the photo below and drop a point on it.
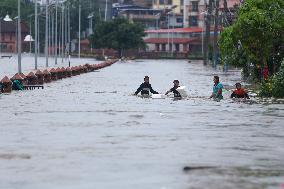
(46, 33)
(19, 38)
(216, 28)
(69, 31)
(59, 36)
(56, 30)
(30, 34)
(49, 34)
(52, 34)
(62, 33)
(69, 37)
(207, 31)
(106, 11)
(36, 38)
(66, 31)
(79, 44)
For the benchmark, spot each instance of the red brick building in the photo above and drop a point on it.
(8, 39)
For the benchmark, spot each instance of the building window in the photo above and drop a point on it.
(194, 6)
(164, 47)
(170, 2)
(161, 2)
(177, 47)
(193, 21)
(181, 2)
(179, 20)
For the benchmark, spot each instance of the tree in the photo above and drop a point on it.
(257, 36)
(118, 34)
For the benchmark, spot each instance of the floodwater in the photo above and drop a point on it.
(89, 132)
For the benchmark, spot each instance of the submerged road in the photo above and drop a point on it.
(89, 132)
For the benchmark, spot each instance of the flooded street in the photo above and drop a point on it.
(89, 132)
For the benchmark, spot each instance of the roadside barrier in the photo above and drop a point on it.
(40, 77)
(32, 79)
(6, 85)
(46, 76)
(37, 79)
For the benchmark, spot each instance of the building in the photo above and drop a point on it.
(195, 11)
(140, 3)
(185, 40)
(150, 18)
(8, 39)
(176, 6)
(172, 16)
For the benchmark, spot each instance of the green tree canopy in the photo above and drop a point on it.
(118, 34)
(257, 36)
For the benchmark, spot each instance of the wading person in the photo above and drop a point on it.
(239, 92)
(217, 89)
(145, 88)
(174, 89)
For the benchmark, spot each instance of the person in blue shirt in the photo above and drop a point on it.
(217, 89)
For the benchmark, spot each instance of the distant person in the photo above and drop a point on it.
(239, 92)
(174, 89)
(217, 89)
(145, 88)
(265, 73)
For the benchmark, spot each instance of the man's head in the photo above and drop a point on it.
(176, 82)
(238, 85)
(216, 79)
(146, 79)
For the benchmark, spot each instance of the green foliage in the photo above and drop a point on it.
(274, 86)
(257, 35)
(118, 34)
(265, 89)
(278, 83)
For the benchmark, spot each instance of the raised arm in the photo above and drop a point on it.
(152, 90)
(139, 89)
(169, 91)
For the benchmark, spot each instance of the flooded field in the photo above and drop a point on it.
(89, 132)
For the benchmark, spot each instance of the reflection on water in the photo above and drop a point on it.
(90, 132)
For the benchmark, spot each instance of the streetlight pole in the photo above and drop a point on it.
(36, 32)
(62, 33)
(0, 34)
(168, 32)
(19, 38)
(52, 33)
(46, 33)
(79, 45)
(173, 34)
(30, 34)
(69, 37)
(56, 30)
(66, 30)
(106, 11)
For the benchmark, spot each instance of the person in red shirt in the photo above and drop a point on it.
(265, 72)
(239, 92)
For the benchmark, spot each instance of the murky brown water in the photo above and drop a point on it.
(89, 132)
